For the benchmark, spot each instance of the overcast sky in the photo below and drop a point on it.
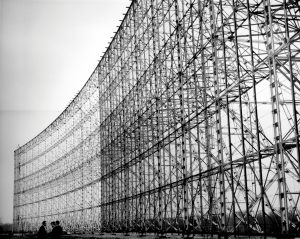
(48, 49)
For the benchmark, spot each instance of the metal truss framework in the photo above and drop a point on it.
(189, 124)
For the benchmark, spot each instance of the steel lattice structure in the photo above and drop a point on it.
(189, 124)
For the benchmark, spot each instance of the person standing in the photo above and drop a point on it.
(52, 231)
(57, 231)
(42, 233)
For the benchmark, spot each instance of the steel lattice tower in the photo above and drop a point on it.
(189, 124)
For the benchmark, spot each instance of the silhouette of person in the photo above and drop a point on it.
(42, 233)
(52, 224)
(51, 233)
(57, 231)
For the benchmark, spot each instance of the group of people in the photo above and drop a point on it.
(56, 232)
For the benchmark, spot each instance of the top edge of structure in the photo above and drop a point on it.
(57, 121)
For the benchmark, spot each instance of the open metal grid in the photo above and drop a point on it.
(189, 124)
(57, 173)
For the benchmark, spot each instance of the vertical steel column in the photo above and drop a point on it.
(130, 107)
(80, 164)
(206, 116)
(144, 118)
(168, 199)
(216, 84)
(125, 157)
(207, 119)
(279, 150)
(147, 38)
(139, 96)
(261, 180)
(191, 87)
(103, 191)
(173, 100)
(164, 116)
(290, 65)
(235, 6)
(179, 29)
(228, 125)
(197, 98)
(156, 112)
(111, 149)
(152, 130)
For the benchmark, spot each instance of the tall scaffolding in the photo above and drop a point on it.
(57, 174)
(189, 124)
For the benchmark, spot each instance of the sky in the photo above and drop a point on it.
(48, 50)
